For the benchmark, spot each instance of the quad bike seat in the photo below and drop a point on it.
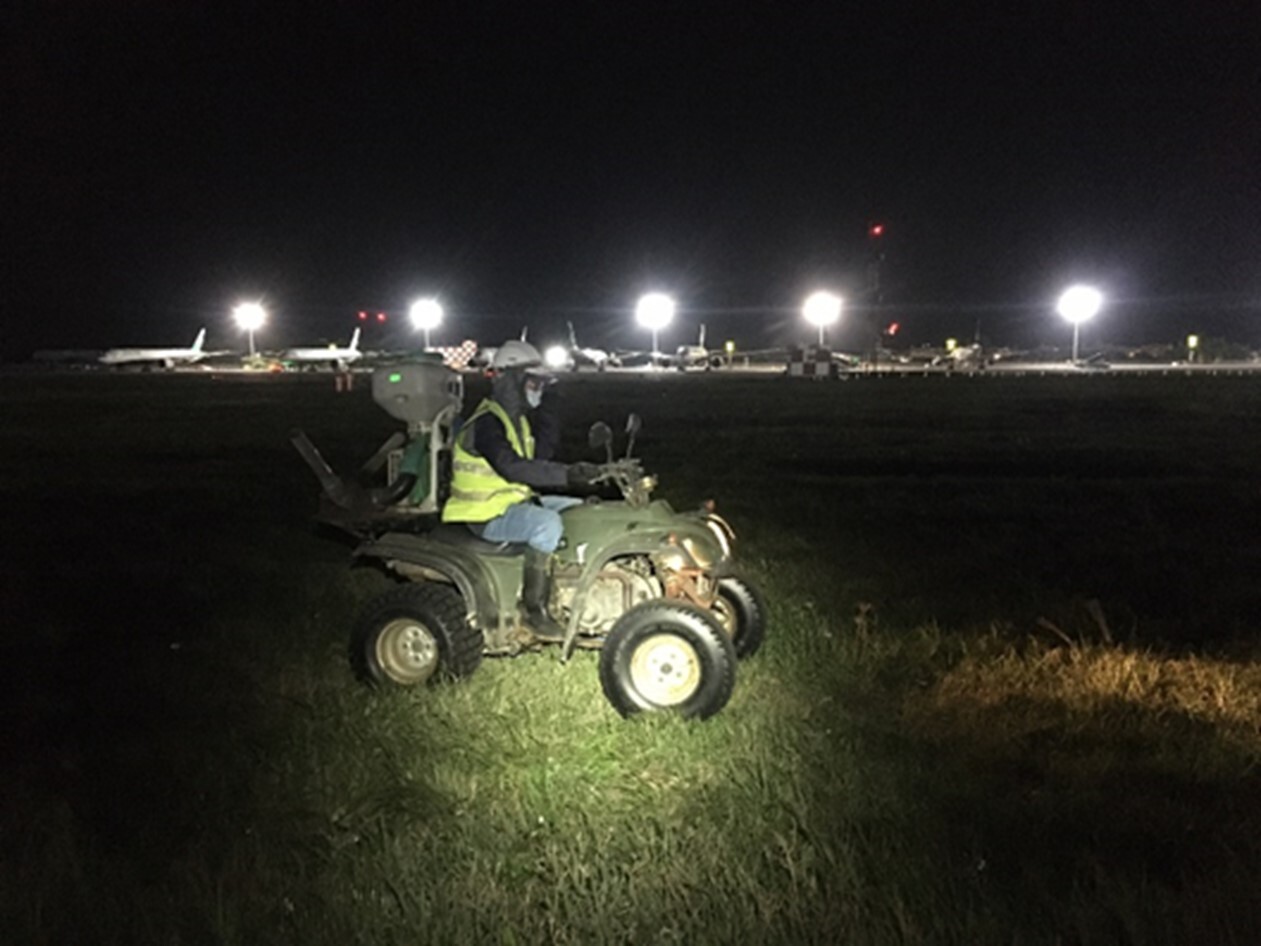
(458, 534)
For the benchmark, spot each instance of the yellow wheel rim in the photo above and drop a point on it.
(407, 651)
(665, 669)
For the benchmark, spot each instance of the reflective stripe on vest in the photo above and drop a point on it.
(478, 493)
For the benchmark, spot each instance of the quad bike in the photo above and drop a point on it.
(653, 589)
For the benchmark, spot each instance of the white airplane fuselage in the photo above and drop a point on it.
(167, 357)
(322, 354)
(332, 355)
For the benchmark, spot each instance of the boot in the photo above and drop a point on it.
(536, 583)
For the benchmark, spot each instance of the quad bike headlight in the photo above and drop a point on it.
(675, 555)
(672, 561)
(674, 558)
(700, 555)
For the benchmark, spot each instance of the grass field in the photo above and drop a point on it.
(1010, 694)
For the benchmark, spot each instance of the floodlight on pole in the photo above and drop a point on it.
(822, 309)
(1079, 304)
(250, 316)
(426, 315)
(654, 312)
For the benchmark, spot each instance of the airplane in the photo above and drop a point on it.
(167, 357)
(699, 356)
(340, 358)
(696, 356)
(685, 356)
(574, 356)
(970, 358)
(952, 356)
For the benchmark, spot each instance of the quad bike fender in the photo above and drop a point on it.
(417, 558)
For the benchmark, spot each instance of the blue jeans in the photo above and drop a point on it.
(539, 526)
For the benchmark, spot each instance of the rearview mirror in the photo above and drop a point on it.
(600, 435)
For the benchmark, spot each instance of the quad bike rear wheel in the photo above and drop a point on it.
(415, 634)
(668, 656)
(741, 610)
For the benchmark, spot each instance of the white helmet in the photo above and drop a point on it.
(515, 354)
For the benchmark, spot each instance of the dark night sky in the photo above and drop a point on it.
(534, 161)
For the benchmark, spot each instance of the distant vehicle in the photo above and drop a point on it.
(340, 358)
(166, 357)
(964, 358)
(265, 363)
(845, 361)
(1095, 362)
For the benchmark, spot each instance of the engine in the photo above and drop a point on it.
(620, 586)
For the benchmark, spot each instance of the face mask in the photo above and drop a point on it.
(533, 396)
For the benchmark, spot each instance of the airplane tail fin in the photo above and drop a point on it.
(200, 340)
(354, 340)
(701, 342)
(573, 338)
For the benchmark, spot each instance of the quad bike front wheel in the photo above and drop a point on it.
(415, 634)
(741, 610)
(668, 656)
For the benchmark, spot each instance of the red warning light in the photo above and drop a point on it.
(892, 329)
(380, 316)
(363, 316)
(875, 230)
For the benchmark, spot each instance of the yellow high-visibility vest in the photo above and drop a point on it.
(478, 493)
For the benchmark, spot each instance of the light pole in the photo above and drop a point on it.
(250, 316)
(426, 315)
(654, 312)
(1078, 304)
(1193, 344)
(822, 309)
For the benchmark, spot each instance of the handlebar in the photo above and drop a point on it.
(629, 477)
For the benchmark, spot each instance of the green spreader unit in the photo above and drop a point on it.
(427, 396)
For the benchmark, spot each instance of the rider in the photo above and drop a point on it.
(502, 455)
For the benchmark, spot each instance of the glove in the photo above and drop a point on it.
(581, 475)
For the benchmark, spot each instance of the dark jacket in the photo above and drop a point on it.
(491, 441)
